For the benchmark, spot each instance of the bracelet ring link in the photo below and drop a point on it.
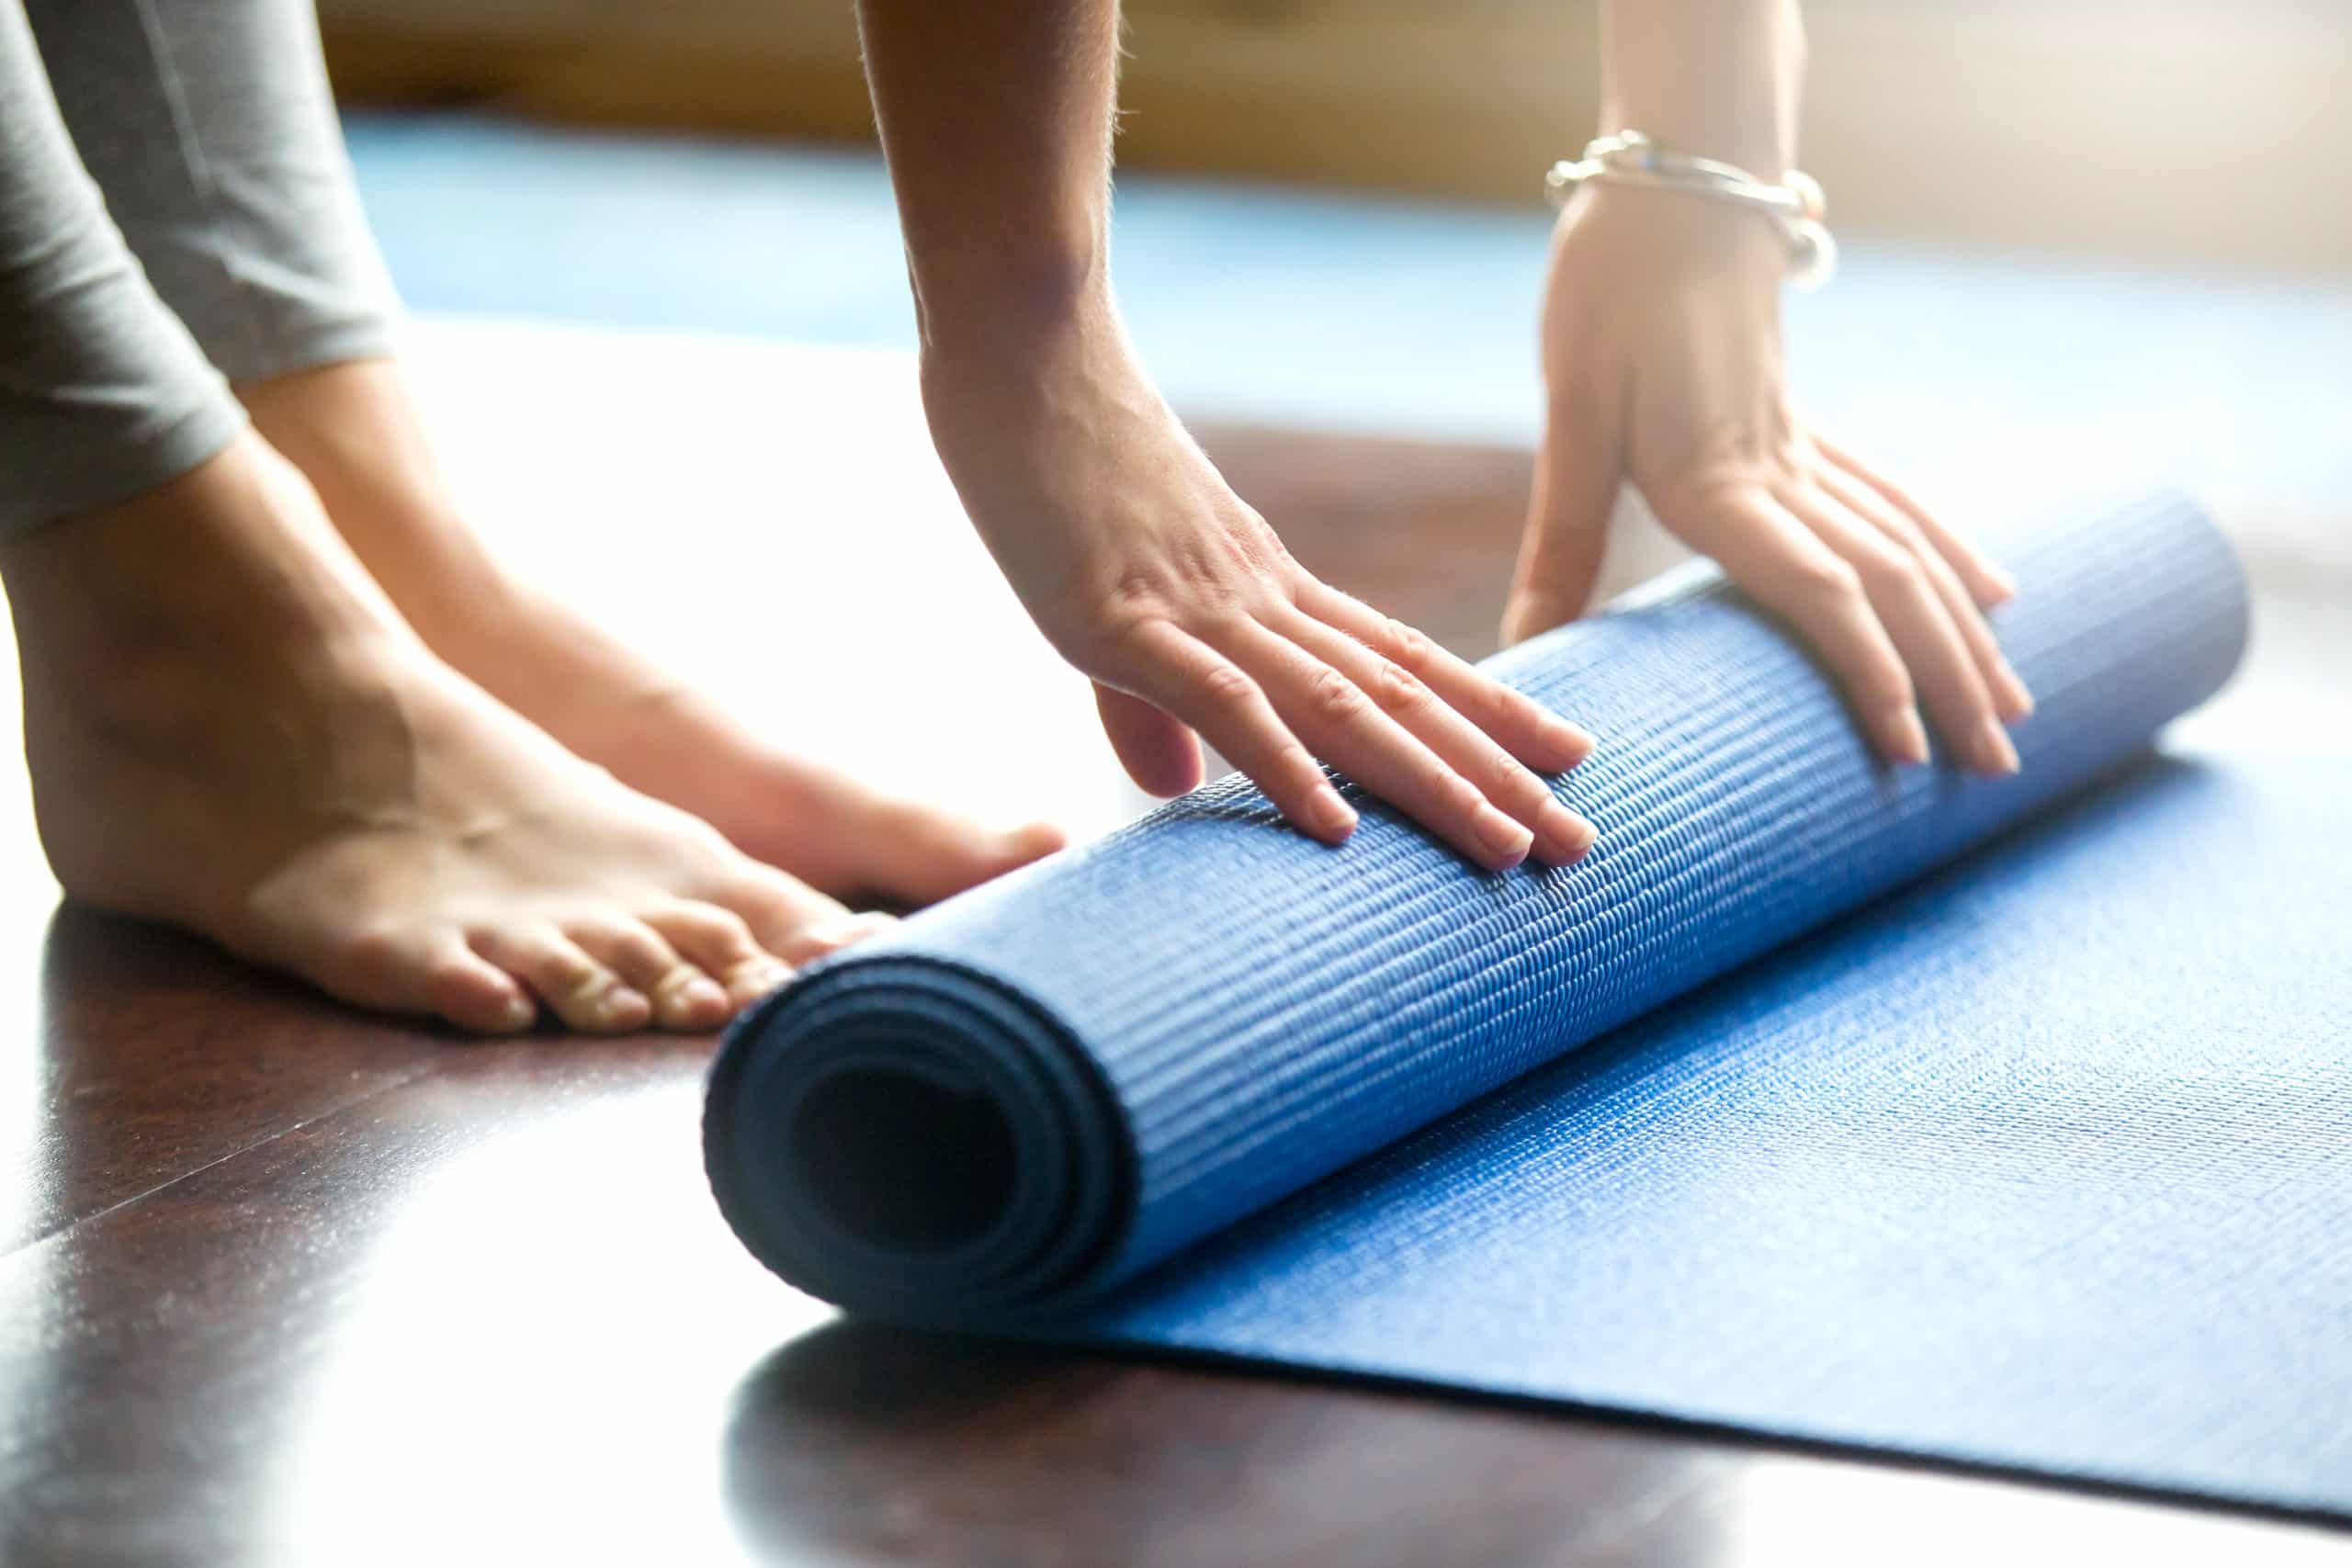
(1795, 204)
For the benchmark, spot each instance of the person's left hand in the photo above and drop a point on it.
(1662, 354)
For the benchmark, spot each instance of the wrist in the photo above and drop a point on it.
(1041, 431)
(1665, 235)
(1716, 78)
(1015, 386)
(1011, 305)
(1707, 132)
(1019, 349)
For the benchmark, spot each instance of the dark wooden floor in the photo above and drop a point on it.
(284, 1285)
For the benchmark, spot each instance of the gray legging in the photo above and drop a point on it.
(176, 213)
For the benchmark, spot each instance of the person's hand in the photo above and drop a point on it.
(1146, 572)
(1662, 353)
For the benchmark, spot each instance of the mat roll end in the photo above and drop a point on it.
(912, 1140)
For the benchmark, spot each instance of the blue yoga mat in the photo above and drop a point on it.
(2006, 1121)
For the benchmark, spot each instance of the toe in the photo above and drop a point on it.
(922, 855)
(792, 919)
(834, 935)
(583, 992)
(417, 969)
(1018, 847)
(684, 996)
(473, 993)
(722, 944)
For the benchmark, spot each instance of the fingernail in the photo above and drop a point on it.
(1906, 736)
(1565, 739)
(1566, 834)
(1503, 836)
(2005, 587)
(2020, 699)
(1993, 746)
(1333, 816)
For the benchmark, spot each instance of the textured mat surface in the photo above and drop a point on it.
(2044, 1164)
(2038, 1164)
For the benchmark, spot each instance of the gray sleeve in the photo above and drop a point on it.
(103, 393)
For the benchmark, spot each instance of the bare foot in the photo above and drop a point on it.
(231, 730)
(352, 431)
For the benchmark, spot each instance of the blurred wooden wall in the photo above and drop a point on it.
(2164, 128)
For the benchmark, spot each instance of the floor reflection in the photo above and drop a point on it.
(862, 1444)
(542, 1337)
(289, 1286)
(1787, 1509)
(122, 1354)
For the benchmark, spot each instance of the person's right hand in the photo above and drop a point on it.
(1662, 353)
(1146, 572)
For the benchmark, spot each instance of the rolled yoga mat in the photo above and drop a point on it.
(2043, 1162)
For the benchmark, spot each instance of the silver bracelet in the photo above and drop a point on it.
(1794, 206)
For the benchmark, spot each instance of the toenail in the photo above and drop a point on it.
(618, 1003)
(851, 928)
(757, 979)
(840, 928)
(702, 994)
(517, 1013)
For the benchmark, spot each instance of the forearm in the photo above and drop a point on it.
(996, 119)
(1138, 563)
(1718, 78)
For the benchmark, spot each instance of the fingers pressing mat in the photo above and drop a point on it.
(2005, 1121)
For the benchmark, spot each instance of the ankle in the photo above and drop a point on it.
(354, 433)
(229, 567)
